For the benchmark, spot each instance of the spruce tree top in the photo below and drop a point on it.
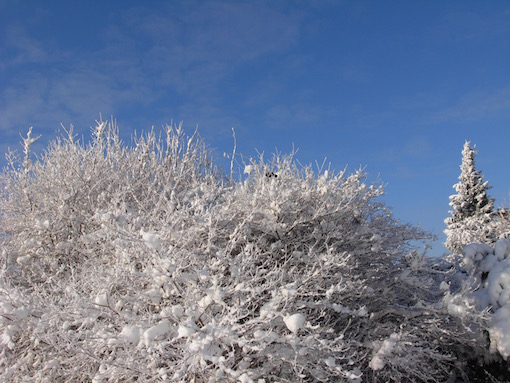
(471, 198)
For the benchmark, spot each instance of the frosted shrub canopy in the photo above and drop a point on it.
(147, 263)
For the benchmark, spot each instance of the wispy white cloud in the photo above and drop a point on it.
(223, 30)
(46, 99)
(165, 58)
(195, 50)
(474, 106)
(21, 48)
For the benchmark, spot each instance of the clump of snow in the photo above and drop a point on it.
(362, 312)
(176, 311)
(498, 285)
(459, 305)
(156, 331)
(354, 375)
(101, 299)
(185, 331)
(476, 250)
(330, 362)
(497, 266)
(295, 322)
(248, 169)
(42, 224)
(244, 378)
(383, 352)
(151, 239)
(500, 331)
(269, 309)
(8, 336)
(474, 253)
(131, 334)
(502, 249)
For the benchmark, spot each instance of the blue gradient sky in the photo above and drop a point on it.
(394, 86)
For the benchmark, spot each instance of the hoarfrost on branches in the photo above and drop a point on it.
(145, 262)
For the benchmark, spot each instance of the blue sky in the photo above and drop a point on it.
(393, 86)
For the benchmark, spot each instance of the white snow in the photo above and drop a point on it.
(151, 239)
(330, 362)
(295, 322)
(269, 309)
(42, 224)
(248, 169)
(289, 290)
(498, 285)
(8, 336)
(185, 331)
(473, 253)
(362, 311)
(156, 331)
(384, 352)
(131, 334)
(494, 292)
(444, 286)
(23, 260)
(214, 294)
(176, 311)
(477, 250)
(244, 378)
(502, 249)
(101, 299)
(500, 331)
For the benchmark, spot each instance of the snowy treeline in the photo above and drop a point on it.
(144, 263)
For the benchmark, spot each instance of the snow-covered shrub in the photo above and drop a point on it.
(139, 263)
(487, 287)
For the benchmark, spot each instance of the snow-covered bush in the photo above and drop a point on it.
(487, 286)
(142, 264)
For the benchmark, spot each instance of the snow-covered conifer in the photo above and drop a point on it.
(471, 217)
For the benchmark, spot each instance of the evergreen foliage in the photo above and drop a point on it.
(471, 217)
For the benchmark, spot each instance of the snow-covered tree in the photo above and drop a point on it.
(471, 217)
(142, 264)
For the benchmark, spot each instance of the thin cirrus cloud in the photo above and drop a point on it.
(147, 56)
(476, 105)
(45, 85)
(195, 51)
